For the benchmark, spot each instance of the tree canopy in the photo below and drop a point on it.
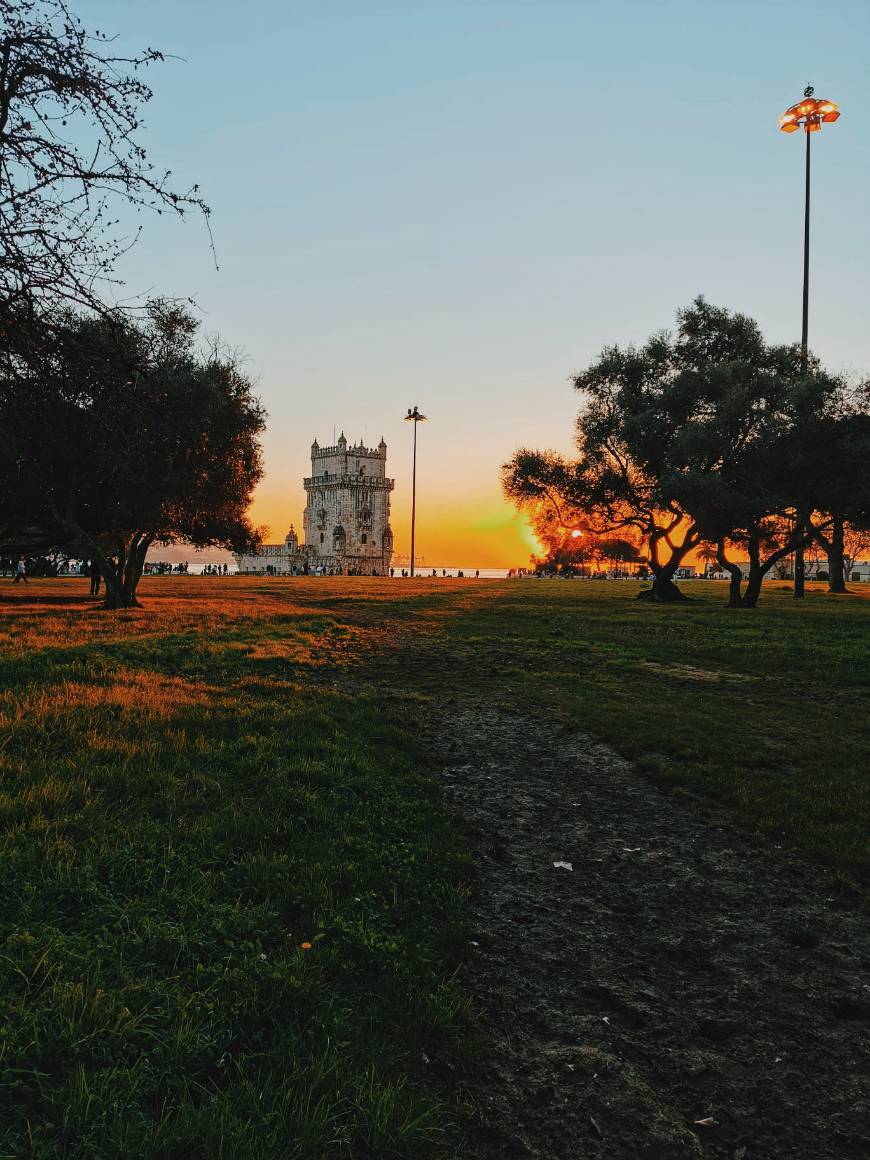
(705, 435)
(118, 433)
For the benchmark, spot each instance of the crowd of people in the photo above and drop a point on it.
(23, 567)
(164, 568)
(20, 567)
(320, 570)
(44, 566)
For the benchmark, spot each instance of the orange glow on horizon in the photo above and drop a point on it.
(481, 531)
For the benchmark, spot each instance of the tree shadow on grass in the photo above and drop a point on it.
(25, 598)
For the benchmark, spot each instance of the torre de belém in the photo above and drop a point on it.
(346, 525)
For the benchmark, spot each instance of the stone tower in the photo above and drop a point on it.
(347, 515)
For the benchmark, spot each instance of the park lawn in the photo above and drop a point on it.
(232, 902)
(194, 792)
(766, 710)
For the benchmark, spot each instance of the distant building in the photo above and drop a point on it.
(815, 570)
(346, 524)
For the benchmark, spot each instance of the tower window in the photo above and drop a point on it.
(365, 538)
(321, 537)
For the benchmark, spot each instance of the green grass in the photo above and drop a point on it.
(194, 792)
(767, 710)
(182, 813)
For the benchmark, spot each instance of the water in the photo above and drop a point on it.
(485, 573)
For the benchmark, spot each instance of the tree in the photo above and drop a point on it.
(617, 550)
(606, 491)
(856, 543)
(708, 554)
(561, 533)
(761, 494)
(836, 479)
(698, 436)
(123, 434)
(70, 116)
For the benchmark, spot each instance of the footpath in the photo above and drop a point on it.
(652, 984)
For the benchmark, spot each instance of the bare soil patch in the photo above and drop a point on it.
(679, 972)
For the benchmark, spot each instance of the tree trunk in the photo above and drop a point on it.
(119, 592)
(122, 573)
(836, 561)
(663, 588)
(734, 584)
(756, 572)
(753, 589)
(123, 579)
(117, 596)
(759, 568)
(800, 570)
(799, 573)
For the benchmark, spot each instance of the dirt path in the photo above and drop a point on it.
(676, 972)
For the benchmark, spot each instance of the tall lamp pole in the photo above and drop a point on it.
(809, 114)
(414, 417)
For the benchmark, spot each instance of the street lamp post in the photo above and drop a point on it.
(810, 114)
(414, 417)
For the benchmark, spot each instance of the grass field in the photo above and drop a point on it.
(234, 905)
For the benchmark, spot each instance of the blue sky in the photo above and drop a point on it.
(457, 204)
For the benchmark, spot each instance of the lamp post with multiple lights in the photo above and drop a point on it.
(414, 417)
(809, 114)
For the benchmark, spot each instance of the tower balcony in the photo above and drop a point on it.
(372, 481)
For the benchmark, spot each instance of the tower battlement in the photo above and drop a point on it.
(318, 452)
(346, 460)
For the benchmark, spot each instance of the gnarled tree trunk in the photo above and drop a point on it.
(758, 568)
(836, 551)
(756, 573)
(735, 573)
(122, 578)
(800, 568)
(663, 588)
(663, 571)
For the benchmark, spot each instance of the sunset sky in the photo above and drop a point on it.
(456, 204)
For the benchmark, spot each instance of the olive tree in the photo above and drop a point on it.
(121, 433)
